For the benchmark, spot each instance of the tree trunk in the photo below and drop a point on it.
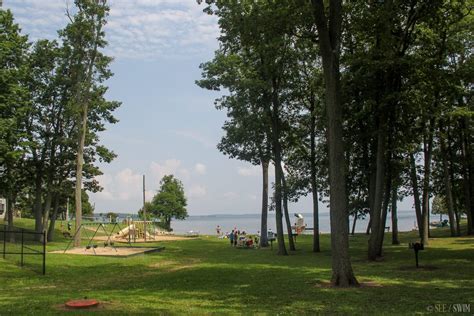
(395, 240)
(274, 114)
(371, 190)
(314, 187)
(466, 166)
(329, 42)
(447, 182)
(451, 178)
(291, 239)
(379, 189)
(316, 243)
(264, 221)
(470, 164)
(416, 193)
(9, 215)
(354, 224)
(278, 211)
(53, 219)
(47, 209)
(458, 225)
(80, 163)
(37, 207)
(386, 202)
(169, 224)
(427, 150)
(369, 224)
(82, 100)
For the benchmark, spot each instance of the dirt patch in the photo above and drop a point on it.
(108, 251)
(149, 239)
(162, 264)
(173, 266)
(362, 284)
(40, 287)
(420, 268)
(182, 267)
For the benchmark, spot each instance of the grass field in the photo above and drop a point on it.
(207, 276)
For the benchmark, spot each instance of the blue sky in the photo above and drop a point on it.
(167, 125)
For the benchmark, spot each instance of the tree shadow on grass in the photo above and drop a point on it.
(201, 277)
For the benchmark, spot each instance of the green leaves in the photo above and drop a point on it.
(43, 89)
(169, 202)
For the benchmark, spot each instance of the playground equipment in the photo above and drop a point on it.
(86, 229)
(299, 226)
(139, 231)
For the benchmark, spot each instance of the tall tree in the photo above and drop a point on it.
(13, 108)
(246, 134)
(258, 33)
(329, 28)
(170, 201)
(84, 38)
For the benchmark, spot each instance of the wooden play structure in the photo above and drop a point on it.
(139, 231)
(103, 240)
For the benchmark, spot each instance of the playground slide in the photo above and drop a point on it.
(124, 232)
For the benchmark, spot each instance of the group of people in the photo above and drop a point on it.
(238, 238)
(241, 239)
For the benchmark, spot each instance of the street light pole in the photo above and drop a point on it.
(144, 209)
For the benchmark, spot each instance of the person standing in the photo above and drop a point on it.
(231, 237)
(236, 236)
(218, 230)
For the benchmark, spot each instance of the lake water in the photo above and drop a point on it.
(250, 223)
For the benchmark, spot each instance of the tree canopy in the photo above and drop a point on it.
(169, 202)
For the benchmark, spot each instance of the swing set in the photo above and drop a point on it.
(90, 244)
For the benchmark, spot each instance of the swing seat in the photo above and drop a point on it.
(88, 247)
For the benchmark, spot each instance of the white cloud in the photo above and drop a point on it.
(169, 167)
(256, 171)
(251, 171)
(136, 29)
(127, 184)
(231, 195)
(124, 185)
(200, 168)
(149, 194)
(197, 137)
(197, 191)
(105, 195)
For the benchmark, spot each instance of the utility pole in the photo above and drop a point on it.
(144, 209)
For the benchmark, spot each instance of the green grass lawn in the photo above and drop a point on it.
(207, 276)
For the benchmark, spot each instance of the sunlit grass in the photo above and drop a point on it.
(207, 276)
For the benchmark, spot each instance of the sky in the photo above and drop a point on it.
(167, 124)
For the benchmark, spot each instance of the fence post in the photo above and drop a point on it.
(22, 243)
(44, 252)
